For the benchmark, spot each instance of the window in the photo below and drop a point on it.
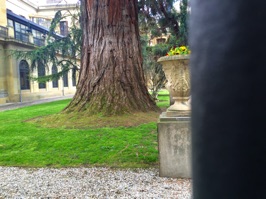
(65, 79)
(24, 75)
(41, 21)
(53, 1)
(74, 82)
(38, 38)
(54, 71)
(3, 32)
(10, 23)
(41, 73)
(63, 28)
(161, 41)
(21, 32)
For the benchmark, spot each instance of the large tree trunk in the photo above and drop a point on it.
(111, 79)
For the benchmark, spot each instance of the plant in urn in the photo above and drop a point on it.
(176, 69)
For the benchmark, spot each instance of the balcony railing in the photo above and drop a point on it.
(3, 32)
(38, 41)
(22, 37)
(10, 33)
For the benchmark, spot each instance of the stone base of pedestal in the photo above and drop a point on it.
(174, 138)
(169, 114)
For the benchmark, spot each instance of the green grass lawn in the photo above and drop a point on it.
(29, 144)
(164, 99)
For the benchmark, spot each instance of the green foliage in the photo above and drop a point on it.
(160, 50)
(156, 32)
(183, 34)
(60, 51)
(56, 20)
(154, 75)
(157, 15)
(163, 99)
(173, 41)
(144, 44)
(160, 16)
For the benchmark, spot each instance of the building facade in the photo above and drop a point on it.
(23, 26)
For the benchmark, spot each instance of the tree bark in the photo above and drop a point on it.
(111, 79)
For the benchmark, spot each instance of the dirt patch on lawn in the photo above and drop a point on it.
(83, 121)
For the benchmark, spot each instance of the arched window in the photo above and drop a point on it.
(24, 73)
(55, 71)
(41, 73)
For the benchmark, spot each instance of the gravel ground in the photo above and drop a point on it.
(20, 183)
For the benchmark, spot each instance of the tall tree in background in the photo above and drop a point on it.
(154, 75)
(111, 79)
(160, 16)
(157, 17)
(183, 18)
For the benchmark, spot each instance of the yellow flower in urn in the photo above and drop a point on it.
(182, 50)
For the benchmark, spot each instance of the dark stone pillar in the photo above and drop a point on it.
(228, 69)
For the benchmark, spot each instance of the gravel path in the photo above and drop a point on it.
(97, 183)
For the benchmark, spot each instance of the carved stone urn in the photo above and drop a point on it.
(176, 69)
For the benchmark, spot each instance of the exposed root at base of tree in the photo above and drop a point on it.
(82, 121)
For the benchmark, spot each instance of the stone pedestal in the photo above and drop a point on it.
(174, 138)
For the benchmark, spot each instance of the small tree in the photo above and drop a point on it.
(160, 16)
(154, 75)
(62, 51)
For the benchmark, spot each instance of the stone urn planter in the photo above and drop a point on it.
(176, 69)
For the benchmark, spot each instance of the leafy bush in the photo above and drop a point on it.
(160, 50)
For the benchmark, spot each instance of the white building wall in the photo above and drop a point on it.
(20, 7)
